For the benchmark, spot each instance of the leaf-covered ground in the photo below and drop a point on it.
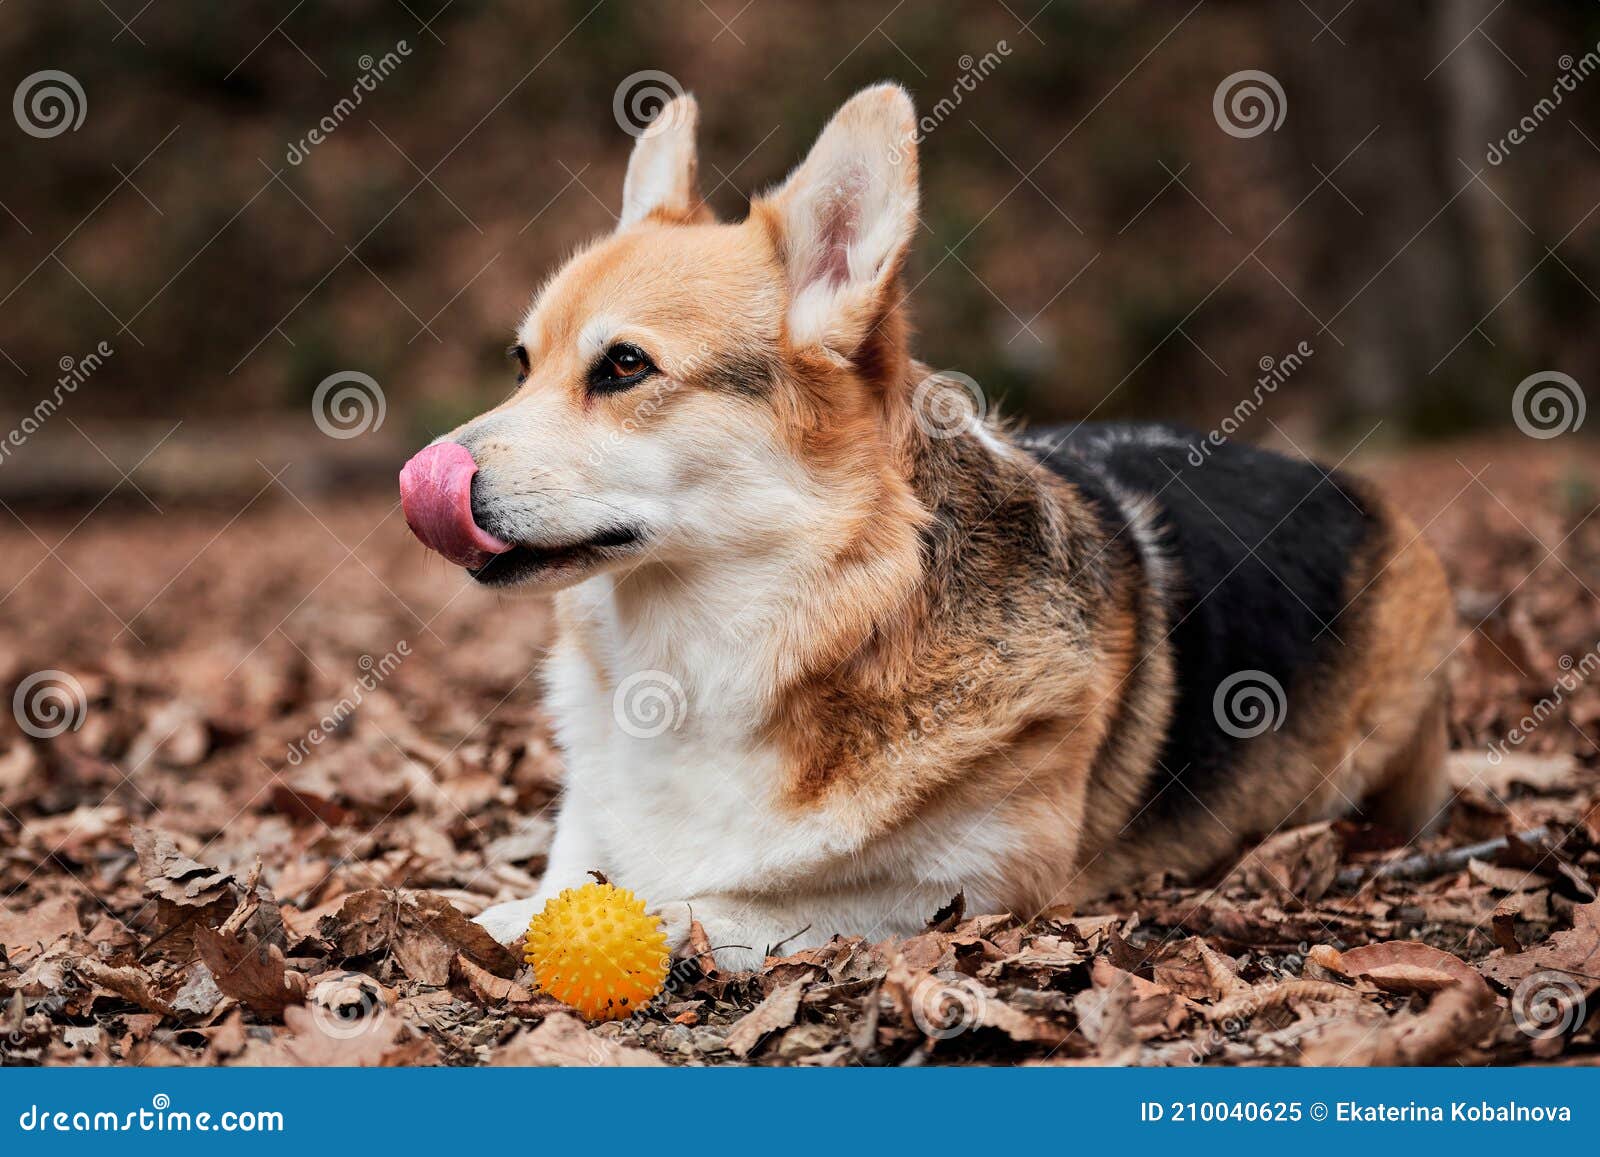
(221, 864)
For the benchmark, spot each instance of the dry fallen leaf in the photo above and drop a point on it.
(314, 1042)
(1300, 862)
(777, 1011)
(1459, 1011)
(1566, 968)
(127, 981)
(250, 971)
(422, 930)
(39, 925)
(173, 876)
(563, 1040)
(489, 988)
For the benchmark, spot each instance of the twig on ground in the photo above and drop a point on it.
(1426, 865)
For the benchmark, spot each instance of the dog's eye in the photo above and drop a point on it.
(519, 354)
(621, 366)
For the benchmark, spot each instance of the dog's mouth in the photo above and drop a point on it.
(525, 561)
(436, 493)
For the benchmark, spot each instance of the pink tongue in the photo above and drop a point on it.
(436, 495)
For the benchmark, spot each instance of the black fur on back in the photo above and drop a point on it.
(1261, 548)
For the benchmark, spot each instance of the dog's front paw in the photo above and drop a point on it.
(736, 941)
(508, 923)
(675, 917)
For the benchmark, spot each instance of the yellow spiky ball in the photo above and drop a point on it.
(595, 949)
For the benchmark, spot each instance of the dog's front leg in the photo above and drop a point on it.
(574, 853)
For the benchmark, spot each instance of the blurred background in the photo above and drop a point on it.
(1097, 240)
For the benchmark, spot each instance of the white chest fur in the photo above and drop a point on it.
(675, 790)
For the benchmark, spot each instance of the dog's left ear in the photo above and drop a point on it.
(660, 180)
(845, 219)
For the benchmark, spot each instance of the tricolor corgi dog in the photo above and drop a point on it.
(831, 648)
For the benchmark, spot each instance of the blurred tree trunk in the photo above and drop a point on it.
(1430, 250)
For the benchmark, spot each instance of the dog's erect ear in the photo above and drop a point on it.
(846, 217)
(660, 177)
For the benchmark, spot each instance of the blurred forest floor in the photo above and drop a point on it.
(180, 890)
